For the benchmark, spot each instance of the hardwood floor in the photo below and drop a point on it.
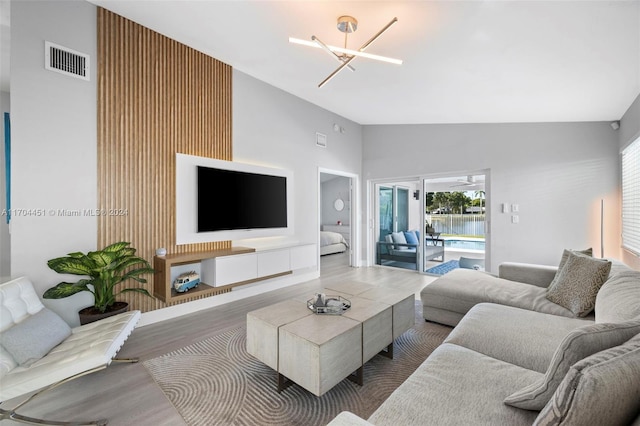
(126, 394)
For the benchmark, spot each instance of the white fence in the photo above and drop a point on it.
(458, 224)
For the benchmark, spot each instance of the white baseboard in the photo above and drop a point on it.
(175, 311)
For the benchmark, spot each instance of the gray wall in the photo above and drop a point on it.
(331, 190)
(54, 143)
(556, 172)
(630, 131)
(273, 128)
(53, 124)
(5, 242)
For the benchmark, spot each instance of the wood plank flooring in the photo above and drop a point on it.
(126, 394)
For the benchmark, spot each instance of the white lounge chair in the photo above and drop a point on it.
(87, 349)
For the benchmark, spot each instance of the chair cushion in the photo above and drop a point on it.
(577, 345)
(18, 300)
(576, 285)
(601, 389)
(89, 346)
(7, 363)
(33, 338)
(410, 237)
(398, 238)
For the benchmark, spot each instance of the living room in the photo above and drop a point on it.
(560, 172)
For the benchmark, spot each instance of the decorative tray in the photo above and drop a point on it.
(328, 305)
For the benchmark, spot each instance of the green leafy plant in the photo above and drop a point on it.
(105, 268)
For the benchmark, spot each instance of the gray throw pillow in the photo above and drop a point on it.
(33, 338)
(602, 389)
(399, 238)
(577, 284)
(577, 345)
(565, 256)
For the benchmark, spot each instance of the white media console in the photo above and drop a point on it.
(221, 270)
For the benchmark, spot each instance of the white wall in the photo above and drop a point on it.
(333, 189)
(275, 129)
(628, 132)
(53, 125)
(556, 172)
(5, 242)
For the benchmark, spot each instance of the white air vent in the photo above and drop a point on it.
(66, 61)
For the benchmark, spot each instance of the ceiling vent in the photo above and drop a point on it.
(66, 61)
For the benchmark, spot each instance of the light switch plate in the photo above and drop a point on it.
(515, 208)
(515, 218)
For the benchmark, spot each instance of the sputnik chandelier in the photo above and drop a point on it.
(347, 25)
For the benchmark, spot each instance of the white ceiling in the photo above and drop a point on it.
(464, 61)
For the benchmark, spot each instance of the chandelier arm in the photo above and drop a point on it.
(333, 74)
(372, 39)
(330, 52)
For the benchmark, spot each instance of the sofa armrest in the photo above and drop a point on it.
(529, 273)
(347, 418)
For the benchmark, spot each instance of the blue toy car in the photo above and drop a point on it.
(186, 281)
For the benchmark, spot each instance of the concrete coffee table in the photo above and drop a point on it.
(317, 351)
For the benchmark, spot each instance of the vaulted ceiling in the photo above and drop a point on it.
(464, 61)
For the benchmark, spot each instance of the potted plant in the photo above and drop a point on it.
(106, 269)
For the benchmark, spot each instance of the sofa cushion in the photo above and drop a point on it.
(33, 338)
(453, 377)
(461, 289)
(619, 297)
(601, 389)
(577, 345)
(577, 283)
(524, 338)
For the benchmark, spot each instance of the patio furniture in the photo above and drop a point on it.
(398, 251)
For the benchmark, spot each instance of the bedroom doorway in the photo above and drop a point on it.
(337, 218)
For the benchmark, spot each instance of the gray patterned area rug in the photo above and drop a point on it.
(216, 382)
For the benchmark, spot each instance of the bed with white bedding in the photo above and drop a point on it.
(332, 242)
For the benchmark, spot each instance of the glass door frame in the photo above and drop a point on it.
(373, 214)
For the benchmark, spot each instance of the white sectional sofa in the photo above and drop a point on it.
(516, 358)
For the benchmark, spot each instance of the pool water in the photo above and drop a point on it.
(464, 244)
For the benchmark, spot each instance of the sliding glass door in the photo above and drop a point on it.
(393, 216)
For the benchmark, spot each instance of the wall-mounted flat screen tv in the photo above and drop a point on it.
(233, 200)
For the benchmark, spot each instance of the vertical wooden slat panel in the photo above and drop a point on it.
(156, 97)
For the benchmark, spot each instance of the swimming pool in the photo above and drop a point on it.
(464, 244)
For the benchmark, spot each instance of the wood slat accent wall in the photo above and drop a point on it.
(156, 98)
